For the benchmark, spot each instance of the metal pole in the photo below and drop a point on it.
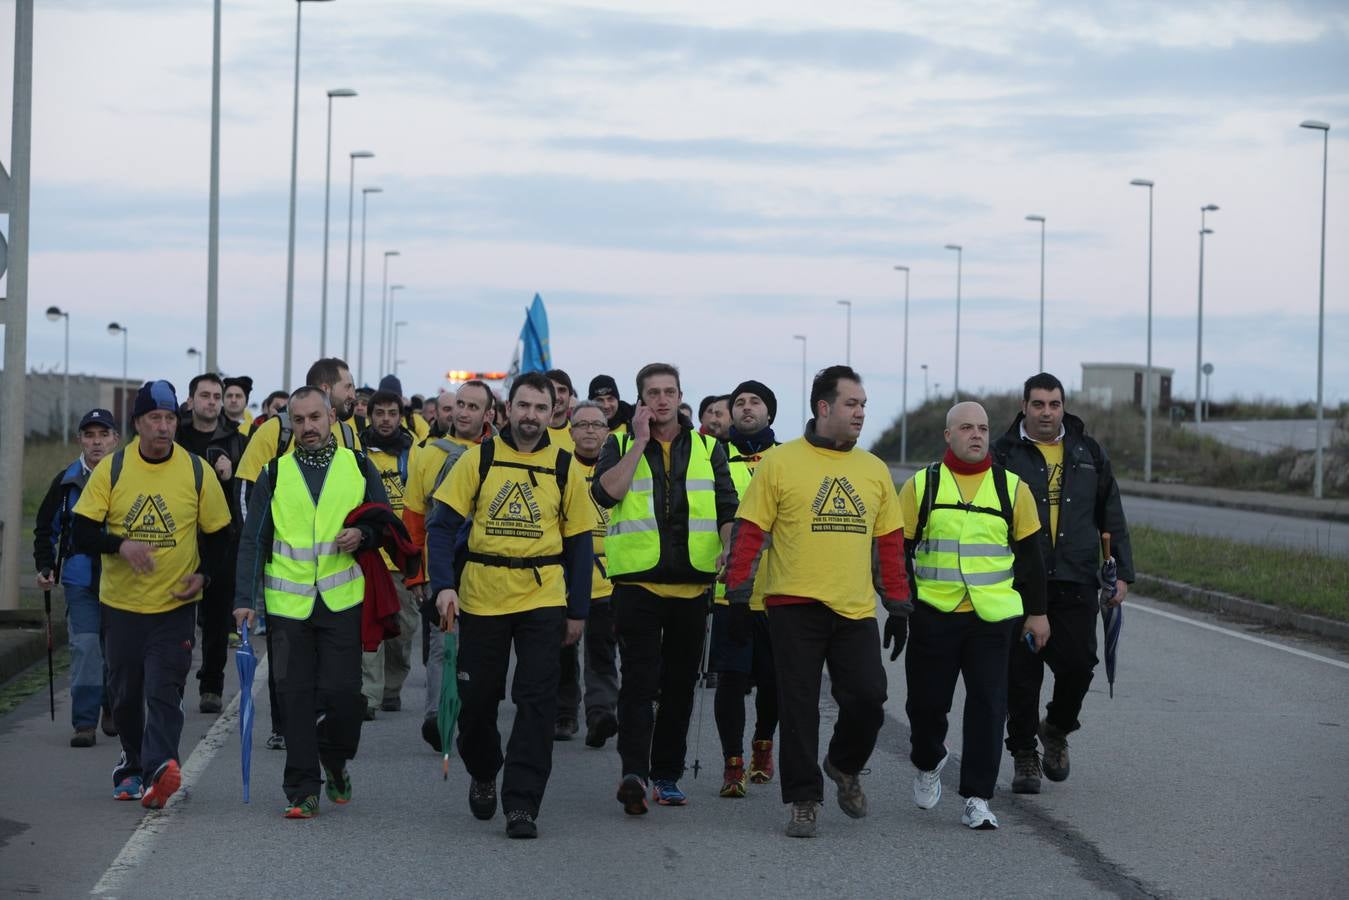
(1042, 294)
(396, 327)
(1147, 372)
(290, 243)
(65, 387)
(213, 226)
(383, 315)
(393, 349)
(1317, 482)
(351, 207)
(960, 256)
(805, 397)
(1199, 331)
(360, 330)
(925, 397)
(126, 387)
(327, 199)
(904, 382)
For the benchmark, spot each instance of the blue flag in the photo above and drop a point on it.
(532, 353)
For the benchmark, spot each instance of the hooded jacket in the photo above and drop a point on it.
(379, 612)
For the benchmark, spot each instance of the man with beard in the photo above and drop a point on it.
(531, 523)
(296, 545)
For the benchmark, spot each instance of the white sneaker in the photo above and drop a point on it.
(977, 815)
(927, 785)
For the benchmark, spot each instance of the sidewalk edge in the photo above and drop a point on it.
(1166, 589)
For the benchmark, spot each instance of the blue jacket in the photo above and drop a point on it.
(51, 534)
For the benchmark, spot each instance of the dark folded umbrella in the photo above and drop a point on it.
(448, 714)
(248, 664)
(1112, 617)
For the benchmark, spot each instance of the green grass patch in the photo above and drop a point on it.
(21, 687)
(1290, 578)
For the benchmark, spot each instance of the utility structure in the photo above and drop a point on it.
(1204, 230)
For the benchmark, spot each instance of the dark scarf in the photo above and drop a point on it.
(317, 459)
(815, 440)
(752, 444)
(960, 467)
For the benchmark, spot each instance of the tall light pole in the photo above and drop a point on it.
(924, 368)
(360, 335)
(213, 213)
(960, 253)
(393, 353)
(904, 382)
(290, 241)
(1199, 332)
(327, 196)
(351, 209)
(805, 397)
(384, 312)
(396, 326)
(115, 329)
(847, 345)
(1147, 372)
(1041, 220)
(200, 357)
(1324, 128)
(55, 314)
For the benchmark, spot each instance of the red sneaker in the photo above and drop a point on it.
(166, 781)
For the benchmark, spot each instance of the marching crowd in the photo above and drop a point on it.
(619, 554)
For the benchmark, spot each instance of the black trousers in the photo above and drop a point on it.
(317, 664)
(660, 640)
(215, 617)
(1070, 655)
(148, 656)
(733, 684)
(808, 637)
(944, 646)
(485, 644)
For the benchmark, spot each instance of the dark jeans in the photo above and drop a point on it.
(661, 640)
(485, 644)
(317, 663)
(734, 680)
(88, 671)
(806, 638)
(1070, 654)
(944, 646)
(569, 681)
(149, 656)
(215, 615)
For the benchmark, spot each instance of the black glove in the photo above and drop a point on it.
(897, 630)
(738, 623)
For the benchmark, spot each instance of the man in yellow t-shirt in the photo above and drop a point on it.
(143, 511)
(525, 585)
(973, 599)
(830, 508)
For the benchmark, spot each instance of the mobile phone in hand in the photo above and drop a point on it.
(1030, 641)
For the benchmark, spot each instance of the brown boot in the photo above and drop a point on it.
(1026, 774)
(1055, 756)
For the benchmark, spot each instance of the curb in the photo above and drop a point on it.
(23, 640)
(1165, 588)
(1330, 513)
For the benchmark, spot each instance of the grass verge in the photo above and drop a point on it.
(21, 687)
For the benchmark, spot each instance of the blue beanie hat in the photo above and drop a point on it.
(154, 395)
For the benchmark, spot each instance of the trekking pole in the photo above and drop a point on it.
(51, 675)
(702, 692)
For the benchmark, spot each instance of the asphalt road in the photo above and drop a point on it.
(1266, 435)
(1217, 770)
(1323, 536)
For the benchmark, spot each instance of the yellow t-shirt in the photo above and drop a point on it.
(561, 437)
(1025, 517)
(676, 591)
(1053, 454)
(422, 471)
(387, 466)
(600, 585)
(757, 593)
(823, 508)
(262, 447)
(516, 516)
(156, 504)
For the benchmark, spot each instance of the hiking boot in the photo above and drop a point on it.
(1055, 755)
(431, 733)
(210, 703)
(978, 816)
(632, 794)
(302, 809)
(734, 783)
(927, 785)
(276, 742)
(520, 825)
(599, 728)
(128, 788)
(482, 799)
(105, 722)
(565, 728)
(83, 737)
(667, 793)
(850, 797)
(802, 821)
(338, 785)
(1026, 775)
(167, 780)
(761, 762)
(392, 704)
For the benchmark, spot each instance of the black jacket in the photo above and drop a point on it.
(227, 439)
(671, 502)
(1089, 504)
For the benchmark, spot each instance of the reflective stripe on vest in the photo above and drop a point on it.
(633, 540)
(305, 562)
(966, 550)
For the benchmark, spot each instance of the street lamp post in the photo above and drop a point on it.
(1199, 332)
(393, 352)
(847, 345)
(201, 358)
(396, 326)
(1324, 128)
(327, 202)
(290, 242)
(1041, 220)
(1147, 372)
(115, 329)
(904, 381)
(384, 312)
(960, 253)
(805, 397)
(924, 368)
(213, 203)
(54, 314)
(360, 336)
(351, 210)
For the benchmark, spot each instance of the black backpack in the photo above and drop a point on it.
(928, 502)
(119, 458)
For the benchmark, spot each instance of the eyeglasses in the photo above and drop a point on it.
(581, 426)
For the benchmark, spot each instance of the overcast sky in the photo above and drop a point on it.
(697, 181)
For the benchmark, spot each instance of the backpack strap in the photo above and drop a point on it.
(928, 499)
(196, 471)
(452, 453)
(284, 434)
(115, 469)
(1004, 498)
(348, 436)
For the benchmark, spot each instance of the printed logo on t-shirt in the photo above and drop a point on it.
(514, 512)
(1055, 483)
(150, 522)
(837, 507)
(393, 486)
(601, 528)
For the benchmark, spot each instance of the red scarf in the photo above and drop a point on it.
(960, 467)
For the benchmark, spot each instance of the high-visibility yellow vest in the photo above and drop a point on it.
(966, 548)
(741, 473)
(305, 561)
(633, 542)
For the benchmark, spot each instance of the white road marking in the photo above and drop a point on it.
(1237, 634)
(141, 842)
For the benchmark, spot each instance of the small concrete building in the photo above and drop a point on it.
(45, 390)
(1121, 384)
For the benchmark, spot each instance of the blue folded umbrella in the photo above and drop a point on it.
(247, 662)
